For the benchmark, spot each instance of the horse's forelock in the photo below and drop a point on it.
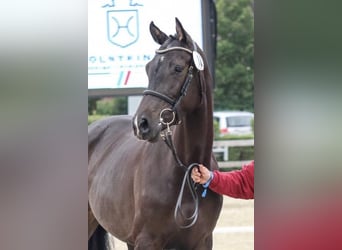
(168, 42)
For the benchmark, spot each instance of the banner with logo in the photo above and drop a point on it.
(119, 40)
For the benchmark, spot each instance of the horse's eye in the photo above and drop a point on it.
(178, 68)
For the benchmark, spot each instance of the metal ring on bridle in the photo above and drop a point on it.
(162, 119)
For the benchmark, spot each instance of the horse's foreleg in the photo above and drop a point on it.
(100, 240)
(130, 247)
(92, 223)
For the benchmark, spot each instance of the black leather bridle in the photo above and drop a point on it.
(167, 137)
(173, 102)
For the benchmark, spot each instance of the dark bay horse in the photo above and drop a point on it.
(136, 176)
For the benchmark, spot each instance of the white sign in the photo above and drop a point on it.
(119, 40)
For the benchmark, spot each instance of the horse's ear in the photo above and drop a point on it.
(158, 35)
(181, 33)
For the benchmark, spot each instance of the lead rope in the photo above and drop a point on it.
(186, 180)
(178, 210)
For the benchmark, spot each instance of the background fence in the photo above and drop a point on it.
(222, 147)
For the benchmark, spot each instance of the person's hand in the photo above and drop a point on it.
(201, 176)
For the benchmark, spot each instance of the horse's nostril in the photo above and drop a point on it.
(143, 125)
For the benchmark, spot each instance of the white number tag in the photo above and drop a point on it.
(198, 60)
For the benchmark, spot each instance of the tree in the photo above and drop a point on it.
(234, 72)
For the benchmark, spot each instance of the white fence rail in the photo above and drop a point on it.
(222, 147)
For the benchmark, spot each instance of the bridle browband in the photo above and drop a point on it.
(162, 51)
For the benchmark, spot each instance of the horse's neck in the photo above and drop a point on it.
(194, 137)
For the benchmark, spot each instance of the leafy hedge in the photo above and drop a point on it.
(238, 154)
(234, 137)
(92, 118)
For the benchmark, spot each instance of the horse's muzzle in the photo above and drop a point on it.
(145, 130)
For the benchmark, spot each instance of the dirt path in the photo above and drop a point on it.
(235, 228)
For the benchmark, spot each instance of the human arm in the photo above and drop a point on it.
(236, 184)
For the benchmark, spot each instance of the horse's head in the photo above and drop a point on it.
(174, 88)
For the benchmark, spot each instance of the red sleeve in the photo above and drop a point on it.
(236, 184)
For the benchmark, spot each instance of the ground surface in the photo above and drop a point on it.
(235, 228)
